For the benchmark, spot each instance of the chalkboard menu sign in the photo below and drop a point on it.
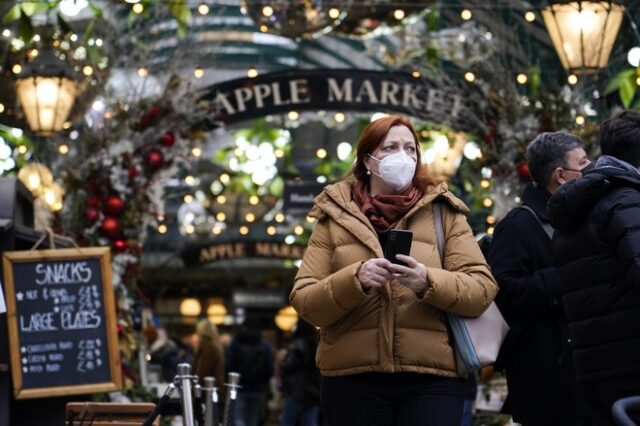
(61, 317)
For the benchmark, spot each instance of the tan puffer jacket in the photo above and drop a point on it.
(389, 330)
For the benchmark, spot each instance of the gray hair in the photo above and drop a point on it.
(548, 151)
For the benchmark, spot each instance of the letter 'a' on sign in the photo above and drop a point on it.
(62, 322)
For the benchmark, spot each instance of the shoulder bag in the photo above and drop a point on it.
(476, 340)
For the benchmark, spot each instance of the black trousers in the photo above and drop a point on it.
(388, 399)
(601, 395)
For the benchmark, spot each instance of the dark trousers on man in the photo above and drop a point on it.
(601, 395)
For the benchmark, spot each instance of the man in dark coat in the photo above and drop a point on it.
(597, 252)
(536, 356)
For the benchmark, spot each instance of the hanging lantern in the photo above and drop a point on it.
(190, 307)
(216, 312)
(46, 89)
(583, 32)
(286, 318)
(364, 18)
(36, 177)
(294, 19)
(443, 158)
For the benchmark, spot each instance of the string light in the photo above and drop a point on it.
(271, 230)
(298, 230)
(252, 73)
(469, 76)
(416, 74)
(221, 199)
(198, 72)
(250, 217)
(87, 70)
(279, 218)
(225, 178)
(399, 14)
(293, 115)
(138, 8)
(321, 153)
(522, 78)
(529, 16)
(162, 228)
(339, 117)
(203, 9)
(580, 120)
(221, 217)
(63, 149)
(334, 13)
(254, 200)
(197, 152)
(466, 14)
(244, 230)
(188, 198)
(572, 79)
(143, 72)
(267, 11)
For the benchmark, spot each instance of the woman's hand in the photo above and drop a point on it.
(413, 276)
(374, 273)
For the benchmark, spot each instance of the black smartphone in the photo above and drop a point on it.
(398, 242)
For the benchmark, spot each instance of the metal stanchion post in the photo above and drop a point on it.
(184, 374)
(197, 401)
(232, 395)
(211, 402)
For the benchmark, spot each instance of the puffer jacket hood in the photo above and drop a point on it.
(572, 201)
(390, 329)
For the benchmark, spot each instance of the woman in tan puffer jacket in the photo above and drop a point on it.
(385, 354)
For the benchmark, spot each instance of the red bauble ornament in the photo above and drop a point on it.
(153, 112)
(133, 172)
(154, 160)
(92, 214)
(110, 227)
(523, 170)
(92, 202)
(119, 246)
(113, 205)
(168, 139)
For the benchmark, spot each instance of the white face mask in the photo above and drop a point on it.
(396, 170)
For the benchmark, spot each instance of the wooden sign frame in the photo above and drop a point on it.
(104, 257)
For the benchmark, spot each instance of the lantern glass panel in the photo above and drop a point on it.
(46, 101)
(583, 33)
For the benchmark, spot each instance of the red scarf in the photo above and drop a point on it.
(384, 211)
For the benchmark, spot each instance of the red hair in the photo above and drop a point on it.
(372, 137)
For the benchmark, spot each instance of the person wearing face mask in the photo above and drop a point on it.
(597, 253)
(384, 353)
(536, 354)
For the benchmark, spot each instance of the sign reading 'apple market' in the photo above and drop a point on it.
(339, 90)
